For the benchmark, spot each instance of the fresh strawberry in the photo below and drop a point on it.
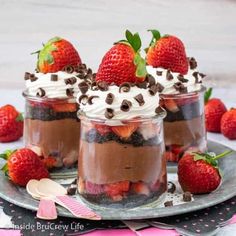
(214, 110)
(117, 189)
(199, 172)
(125, 131)
(49, 162)
(102, 129)
(228, 124)
(64, 107)
(56, 54)
(123, 62)
(23, 165)
(167, 52)
(11, 124)
(141, 188)
(170, 156)
(171, 105)
(92, 188)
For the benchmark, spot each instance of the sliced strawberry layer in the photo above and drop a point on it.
(64, 107)
(171, 105)
(102, 129)
(125, 131)
(141, 188)
(118, 188)
(92, 188)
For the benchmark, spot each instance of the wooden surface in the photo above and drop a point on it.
(208, 29)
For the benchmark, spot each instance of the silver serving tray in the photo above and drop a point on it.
(226, 190)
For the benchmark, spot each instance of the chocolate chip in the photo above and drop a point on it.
(151, 80)
(70, 92)
(41, 93)
(168, 203)
(81, 76)
(142, 85)
(83, 87)
(153, 90)
(109, 113)
(90, 99)
(202, 75)
(139, 99)
(160, 87)
(89, 71)
(69, 69)
(192, 63)
(74, 182)
(169, 76)
(83, 99)
(195, 75)
(180, 87)
(159, 110)
(159, 73)
(124, 87)
(94, 86)
(71, 190)
(88, 77)
(27, 75)
(182, 79)
(82, 66)
(187, 197)
(125, 105)
(102, 85)
(172, 187)
(110, 98)
(94, 75)
(70, 81)
(32, 77)
(54, 77)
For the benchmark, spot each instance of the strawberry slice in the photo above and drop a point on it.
(125, 131)
(171, 105)
(118, 188)
(102, 129)
(64, 107)
(141, 188)
(170, 156)
(92, 188)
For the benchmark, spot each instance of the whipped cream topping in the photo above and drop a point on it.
(53, 85)
(114, 103)
(174, 83)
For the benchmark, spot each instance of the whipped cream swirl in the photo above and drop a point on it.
(53, 85)
(137, 102)
(191, 82)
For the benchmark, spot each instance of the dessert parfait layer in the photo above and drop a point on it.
(122, 164)
(182, 96)
(52, 127)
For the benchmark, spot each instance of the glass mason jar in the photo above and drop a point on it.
(184, 124)
(52, 129)
(122, 163)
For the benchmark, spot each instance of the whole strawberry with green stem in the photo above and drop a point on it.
(11, 124)
(199, 173)
(56, 54)
(228, 124)
(123, 62)
(167, 52)
(23, 165)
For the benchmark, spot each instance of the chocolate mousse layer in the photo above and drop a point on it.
(182, 132)
(111, 162)
(57, 138)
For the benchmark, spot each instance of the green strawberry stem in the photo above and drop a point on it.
(207, 95)
(222, 155)
(20, 117)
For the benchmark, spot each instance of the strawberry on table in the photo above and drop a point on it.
(23, 165)
(56, 54)
(199, 173)
(228, 124)
(123, 62)
(167, 52)
(11, 124)
(214, 110)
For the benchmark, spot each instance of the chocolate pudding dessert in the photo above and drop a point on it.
(52, 128)
(182, 97)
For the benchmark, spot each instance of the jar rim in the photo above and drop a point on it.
(183, 95)
(82, 116)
